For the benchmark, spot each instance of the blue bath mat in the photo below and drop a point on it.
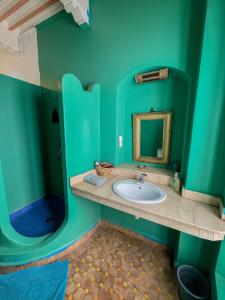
(37, 283)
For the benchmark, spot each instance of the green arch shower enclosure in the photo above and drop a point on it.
(80, 140)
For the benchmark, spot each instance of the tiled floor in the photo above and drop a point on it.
(115, 265)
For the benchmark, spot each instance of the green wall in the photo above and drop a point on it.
(122, 41)
(51, 142)
(80, 132)
(28, 139)
(21, 142)
(172, 95)
(207, 159)
(148, 229)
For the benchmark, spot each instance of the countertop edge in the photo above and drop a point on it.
(156, 218)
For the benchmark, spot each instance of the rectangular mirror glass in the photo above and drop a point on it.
(151, 137)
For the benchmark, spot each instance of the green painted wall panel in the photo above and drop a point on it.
(220, 272)
(172, 95)
(30, 142)
(148, 229)
(196, 252)
(51, 142)
(119, 43)
(21, 142)
(206, 162)
(201, 254)
(80, 131)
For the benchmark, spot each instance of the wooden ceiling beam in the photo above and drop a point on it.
(12, 9)
(32, 14)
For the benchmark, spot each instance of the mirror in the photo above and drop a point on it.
(151, 137)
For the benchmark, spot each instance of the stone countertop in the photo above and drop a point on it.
(182, 214)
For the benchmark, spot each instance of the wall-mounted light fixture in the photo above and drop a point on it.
(152, 76)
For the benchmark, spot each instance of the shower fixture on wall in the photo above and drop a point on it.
(152, 76)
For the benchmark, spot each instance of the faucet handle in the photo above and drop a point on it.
(141, 176)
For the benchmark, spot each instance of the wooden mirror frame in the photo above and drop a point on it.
(167, 120)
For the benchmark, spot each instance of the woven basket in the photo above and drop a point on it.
(103, 171)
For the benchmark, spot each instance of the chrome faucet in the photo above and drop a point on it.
(141, 178)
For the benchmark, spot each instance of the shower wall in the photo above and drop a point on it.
(51, 141)
(24, 144)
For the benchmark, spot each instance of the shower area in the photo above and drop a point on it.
(30, 155)
(46, 137)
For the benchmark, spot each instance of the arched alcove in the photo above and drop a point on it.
(171, 94)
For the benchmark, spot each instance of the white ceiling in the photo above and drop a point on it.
(18, 16)
(24, 14)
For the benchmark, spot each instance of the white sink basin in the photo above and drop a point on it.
(136, 191)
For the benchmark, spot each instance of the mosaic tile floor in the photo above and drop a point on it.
(116, 265)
